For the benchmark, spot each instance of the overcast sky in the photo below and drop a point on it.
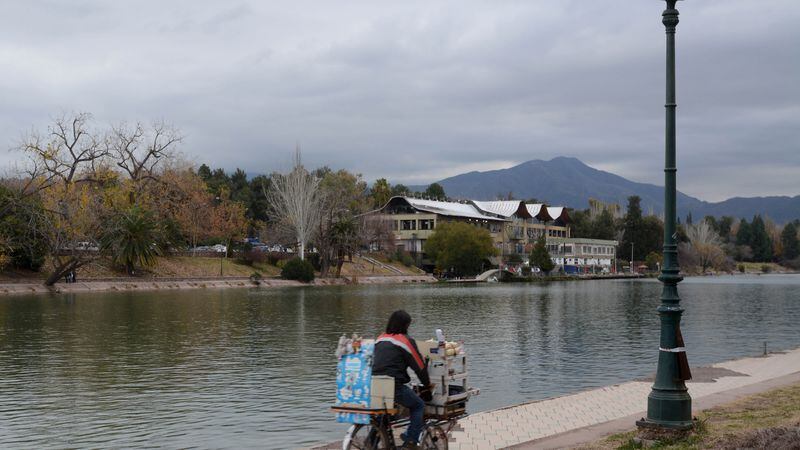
(415, 91)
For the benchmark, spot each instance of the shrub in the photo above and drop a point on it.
(741, 268)
(298, 269)
(766, 268)
(250, 257)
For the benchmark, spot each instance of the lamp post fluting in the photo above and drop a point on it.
(669, 404)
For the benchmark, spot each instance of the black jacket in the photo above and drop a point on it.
(393, 356)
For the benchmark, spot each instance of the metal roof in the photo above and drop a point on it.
(453, 209)
(504, 208)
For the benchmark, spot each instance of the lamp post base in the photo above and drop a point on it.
(654, 431)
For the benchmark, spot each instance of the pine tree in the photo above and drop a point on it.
(791, 245)
(760, 241)
(743, 236)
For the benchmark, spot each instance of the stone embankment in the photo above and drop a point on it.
(158, 284)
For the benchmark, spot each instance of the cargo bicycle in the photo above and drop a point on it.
(380, 433)
(367, 401)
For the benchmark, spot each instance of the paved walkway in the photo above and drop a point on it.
(530, 425)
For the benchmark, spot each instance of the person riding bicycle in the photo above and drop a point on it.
(394, 353)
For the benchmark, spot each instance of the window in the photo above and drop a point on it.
(568, 249)
(426, 224)
(408, 225)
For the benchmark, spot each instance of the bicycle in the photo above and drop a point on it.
(380, 433)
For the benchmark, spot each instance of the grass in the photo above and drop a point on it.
(200, 266)
(767, 420)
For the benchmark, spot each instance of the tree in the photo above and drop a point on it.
(22, 243)
(65, 166)
(380, 193)
(540, 257)
(400, 190)
(138, 151)
(744, 235)
(344, 201)
(760, 241)
(296, 202)
(706, 245)
(791, 245)
(228, 219)
(724, 226)
(459, 247)
(435, 192)
(603, 226)
(133, 238)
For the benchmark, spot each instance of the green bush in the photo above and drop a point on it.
(741, 268)
(766, 269)
(298, 269)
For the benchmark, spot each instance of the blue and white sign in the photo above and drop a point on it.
(353, 381)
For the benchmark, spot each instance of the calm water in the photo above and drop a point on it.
(255, 368)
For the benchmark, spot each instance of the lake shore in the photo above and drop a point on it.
(165, 284)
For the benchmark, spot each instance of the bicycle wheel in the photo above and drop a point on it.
(433, 438)
(366, 437)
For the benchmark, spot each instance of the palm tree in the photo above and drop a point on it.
(133, 238)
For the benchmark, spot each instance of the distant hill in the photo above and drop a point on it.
(570, 182)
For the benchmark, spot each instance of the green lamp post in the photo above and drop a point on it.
(669, 405)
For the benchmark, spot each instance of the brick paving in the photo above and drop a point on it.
(536, 420)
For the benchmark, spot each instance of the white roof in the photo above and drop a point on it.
(534, 208)
(505, 208)
(449, 208)
(555, 211)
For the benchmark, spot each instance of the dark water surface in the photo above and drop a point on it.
(255, 368)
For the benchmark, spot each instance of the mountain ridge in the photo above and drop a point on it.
(568, 181)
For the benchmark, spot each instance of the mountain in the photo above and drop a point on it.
(570, 182)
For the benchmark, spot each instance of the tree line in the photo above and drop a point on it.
(712, 243)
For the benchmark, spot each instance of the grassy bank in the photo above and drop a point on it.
(203, 267)
(767, 420)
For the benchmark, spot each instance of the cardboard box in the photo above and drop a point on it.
(382, 392)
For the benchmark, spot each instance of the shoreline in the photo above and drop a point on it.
(165, 284)
(22, 287)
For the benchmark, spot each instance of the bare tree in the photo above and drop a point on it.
(137, 151)
(706, 245)
(296, 201)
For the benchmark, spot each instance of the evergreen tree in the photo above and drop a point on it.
(603, 226)
(760, 242)
(724, 228)
(435, 192)
(791, 246)
(540, 257)
(632, 228)
(743, 236)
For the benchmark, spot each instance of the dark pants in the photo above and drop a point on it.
(405, 396)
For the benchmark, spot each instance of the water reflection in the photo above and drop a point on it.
(254, 368)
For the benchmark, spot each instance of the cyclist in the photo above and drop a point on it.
(395, 352)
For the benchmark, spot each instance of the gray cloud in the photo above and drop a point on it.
(415, 91)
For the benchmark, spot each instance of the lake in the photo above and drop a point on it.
(243, 368)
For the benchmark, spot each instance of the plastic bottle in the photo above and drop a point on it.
(442, 343)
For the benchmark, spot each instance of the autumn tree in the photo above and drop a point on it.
(66, 172)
